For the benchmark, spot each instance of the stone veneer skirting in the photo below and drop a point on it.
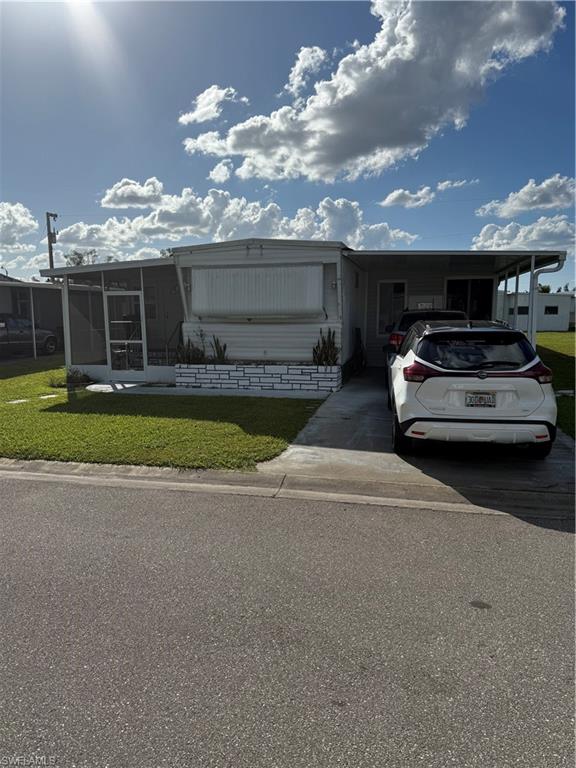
(313, 378)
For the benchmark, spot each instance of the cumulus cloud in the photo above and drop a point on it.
(443, 186)
(16, 222)
(553, 193)
(427, 66)
(308, 61)
(221, 172)
(220, 216)
(407, 199)
(208, 104)
(128, 193)
(547, 233)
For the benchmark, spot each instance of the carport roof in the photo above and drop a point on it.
(498, 261)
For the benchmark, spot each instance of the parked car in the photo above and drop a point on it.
(410, 316)
(475, 381)
(16, 337)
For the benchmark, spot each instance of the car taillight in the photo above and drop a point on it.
(396, 340)
(540, 372)
(419, 372)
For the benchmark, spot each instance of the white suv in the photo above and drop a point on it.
(470, 382)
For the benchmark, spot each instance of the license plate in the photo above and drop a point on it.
(481, 399)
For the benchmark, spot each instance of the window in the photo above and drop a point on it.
(551, 309)
(22, 302)
(391, 303)
(521, 311)
(473, 351)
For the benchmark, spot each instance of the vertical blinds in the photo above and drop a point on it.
(257, 291)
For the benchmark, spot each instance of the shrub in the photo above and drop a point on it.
(190, 354)
(219, 350)
(72, 378)
(326, 352)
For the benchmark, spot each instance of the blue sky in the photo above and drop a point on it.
(481, 93)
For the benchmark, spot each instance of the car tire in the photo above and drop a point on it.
(401, 444)
(50, 345)
(540, 450)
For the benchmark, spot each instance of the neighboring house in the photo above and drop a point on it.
(554, 311)
(40, 303)
(267, 300)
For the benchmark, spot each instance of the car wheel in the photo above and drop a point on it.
(50, 345)
(400, 443)
(540, 450)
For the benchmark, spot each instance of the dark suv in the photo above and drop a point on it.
(16, 337)
(410, 316)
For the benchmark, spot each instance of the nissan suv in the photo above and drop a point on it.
(470, 382)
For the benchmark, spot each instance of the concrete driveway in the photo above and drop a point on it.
(349, 439)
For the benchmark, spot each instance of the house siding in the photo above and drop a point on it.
(287, 338)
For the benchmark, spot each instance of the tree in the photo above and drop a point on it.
(165, 253)
(559, 290)
(567, 288)
(543, 288)
(78, 258)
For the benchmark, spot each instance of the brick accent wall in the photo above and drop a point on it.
(311, 378)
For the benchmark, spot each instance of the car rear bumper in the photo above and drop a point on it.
(470, 431)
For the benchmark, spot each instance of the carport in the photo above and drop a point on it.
(456, 280)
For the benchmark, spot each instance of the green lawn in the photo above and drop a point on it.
(159, 430)
(557, 351)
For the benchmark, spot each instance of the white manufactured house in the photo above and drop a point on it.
(268, 301)
(554, 311)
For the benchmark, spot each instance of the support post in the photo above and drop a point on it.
(66, 323)
(531, 301)
(505, 301)
(516, 290)
(33, 318)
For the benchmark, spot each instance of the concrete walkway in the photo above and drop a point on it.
(348, 441)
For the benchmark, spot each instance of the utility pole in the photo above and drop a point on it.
(51, 236)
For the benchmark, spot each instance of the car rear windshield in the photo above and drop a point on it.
(408, 321)
(476, 351)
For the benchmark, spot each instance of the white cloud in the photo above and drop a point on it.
(443, 186)
(221, 172)
(547, 233)
(219, 216)
(425, 69)
(128, 193)
(308, 61)
(208, 104)
(16, 222)
(553, 193)
(406, 199)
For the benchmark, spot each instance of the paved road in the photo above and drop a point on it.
(162, 628)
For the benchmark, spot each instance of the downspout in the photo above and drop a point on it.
(534, 285)
(182, 291)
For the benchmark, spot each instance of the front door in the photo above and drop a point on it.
(126, 347)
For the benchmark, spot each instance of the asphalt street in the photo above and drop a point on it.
(151, 628)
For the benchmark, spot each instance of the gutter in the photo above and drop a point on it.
(534, 287)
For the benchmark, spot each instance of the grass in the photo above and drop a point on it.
(156, 430)
(557, 352)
